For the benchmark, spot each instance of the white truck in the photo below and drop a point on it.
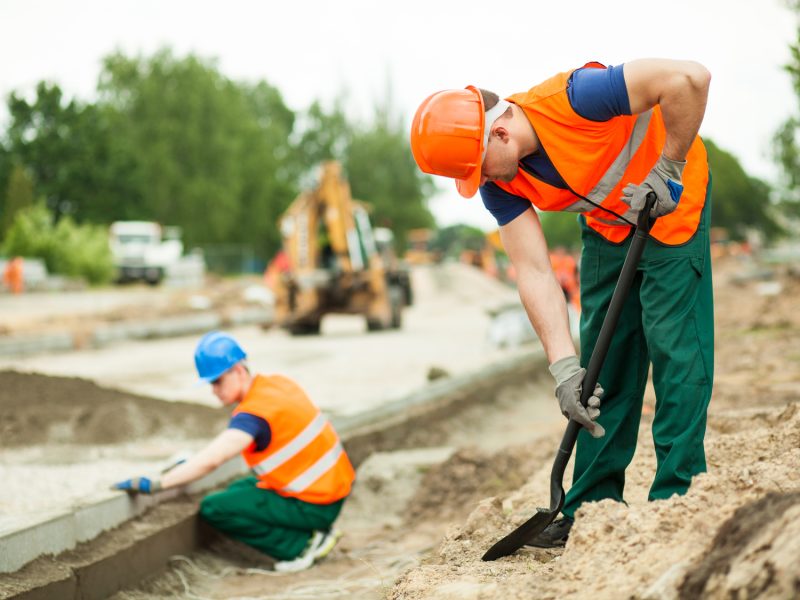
(143, 250)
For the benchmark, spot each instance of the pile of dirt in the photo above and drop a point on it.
(449, 489)
(469, 284)
(733, 535)
(37, 409)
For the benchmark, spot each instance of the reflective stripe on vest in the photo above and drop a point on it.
(613, 175)
(315, 471)
(295, 446)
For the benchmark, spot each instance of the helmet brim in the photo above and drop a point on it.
(468, 187)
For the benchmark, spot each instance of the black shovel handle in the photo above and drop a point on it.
(643, 225)
(543, 517)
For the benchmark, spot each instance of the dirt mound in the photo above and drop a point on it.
(649, 545)
(36, 409)
(754, 554)
(733, 535)
(470, 474)
(470, 285)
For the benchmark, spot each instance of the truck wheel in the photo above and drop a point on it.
(305, 328)
(374, 325)
(396, 298)
(153, 276)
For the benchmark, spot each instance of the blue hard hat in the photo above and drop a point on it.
(216, 352)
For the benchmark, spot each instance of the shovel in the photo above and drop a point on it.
(543, 517)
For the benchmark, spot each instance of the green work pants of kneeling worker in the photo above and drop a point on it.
(668, 319)
(274, 524)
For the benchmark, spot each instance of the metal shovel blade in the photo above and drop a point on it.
(522, 534)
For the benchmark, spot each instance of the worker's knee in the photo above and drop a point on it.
(212, 510)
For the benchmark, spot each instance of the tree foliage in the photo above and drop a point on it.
(382, 172)
(171, 139)
(785, 142)
(67, 248)
(561, 229)
(451, 240)
(211, 155)
(19, 195)
(65, 145)
(739, 201)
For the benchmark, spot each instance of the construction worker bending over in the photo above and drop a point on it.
(301, 472)
(595, 141)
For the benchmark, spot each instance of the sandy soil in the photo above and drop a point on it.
(81, 311)
(734, 535)
(65, 439)
(419, 521)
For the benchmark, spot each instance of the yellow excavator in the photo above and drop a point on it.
(334, 263)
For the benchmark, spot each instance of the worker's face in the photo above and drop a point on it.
(501, 162)
(228, 387)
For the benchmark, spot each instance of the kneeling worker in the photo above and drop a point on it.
(301, 472)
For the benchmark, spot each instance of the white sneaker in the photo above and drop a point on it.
(327, 543)
(319, 546)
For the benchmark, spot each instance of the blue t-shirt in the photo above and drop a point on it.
(595, 94)
(255, 426)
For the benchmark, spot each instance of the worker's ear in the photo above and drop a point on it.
(501, 133)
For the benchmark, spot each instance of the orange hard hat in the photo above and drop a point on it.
(447, 137)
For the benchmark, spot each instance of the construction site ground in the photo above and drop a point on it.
(421, 516)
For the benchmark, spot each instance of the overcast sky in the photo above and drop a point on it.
(315, 49)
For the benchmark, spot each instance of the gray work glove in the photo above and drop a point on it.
(569, 376)
(665, 180)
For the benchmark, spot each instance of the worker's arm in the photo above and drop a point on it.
(680, 89)
(546, 306)
(539, 290)
(225, 446)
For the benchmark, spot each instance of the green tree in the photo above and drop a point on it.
(740, 202)
(323, 135)
(212, 156)
(785, 143)
(451, 240)
(561, 229)
(382, 172)
(65, 146)
(19, 195)
(6, 165)
(66, 247)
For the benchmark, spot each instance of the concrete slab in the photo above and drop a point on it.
(17, 346)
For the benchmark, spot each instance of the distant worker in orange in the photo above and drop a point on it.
(277, 266)
(13, 276)
(565, 268)
(301, 473)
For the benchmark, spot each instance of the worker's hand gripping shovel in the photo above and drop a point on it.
(543, 517)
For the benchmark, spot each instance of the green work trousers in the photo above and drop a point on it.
(275, 525)
(668, 319)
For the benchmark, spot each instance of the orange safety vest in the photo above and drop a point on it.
(565, 268)
(304, 458)
(597, 159)
(12, 276)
